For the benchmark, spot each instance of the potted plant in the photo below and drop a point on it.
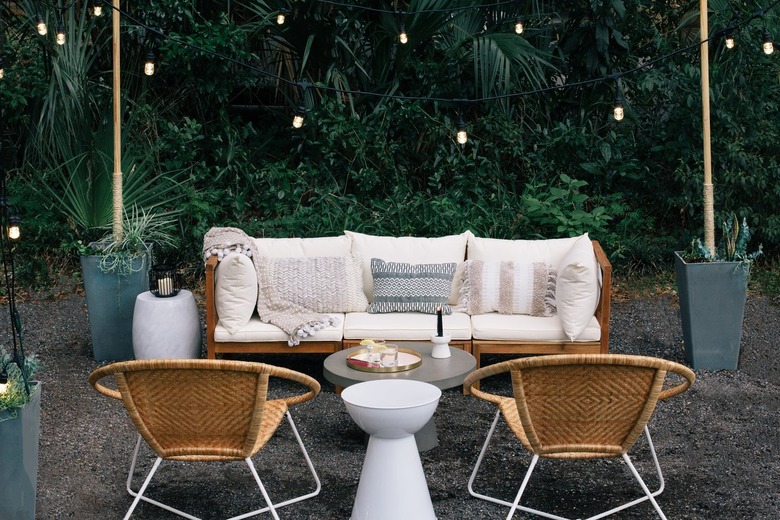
(115, 272)
(20, 427)
(713, 289)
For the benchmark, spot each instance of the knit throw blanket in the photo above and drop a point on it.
(297, 321)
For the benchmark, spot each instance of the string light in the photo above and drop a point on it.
(403, 37)
(280, 17)
(41, 26)
(519, 25)
(462, 135)
(97, 8)
(149, 63)
(768, 45)
(2, 67)
(14, 232)
(60, 33)
(729, 40)
(299, 117)
(3, 381)
(617, 111)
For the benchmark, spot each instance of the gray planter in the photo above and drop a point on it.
(110, 304)
(712, 307)
(19, 437)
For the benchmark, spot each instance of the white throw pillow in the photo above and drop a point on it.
(412, 250)
(235, 291)
(577, 288)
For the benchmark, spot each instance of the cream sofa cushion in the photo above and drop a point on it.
(235, 291)
(404, 326)
(412, 250)
(577, 288)
(550, 251)
(303, 247)
(521, 327)
(255, 330)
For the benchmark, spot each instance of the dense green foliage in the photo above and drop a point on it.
(208, 139)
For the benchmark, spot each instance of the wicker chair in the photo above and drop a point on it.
(579, 406)
(204, 410)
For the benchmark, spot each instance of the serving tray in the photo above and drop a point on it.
(407, 360)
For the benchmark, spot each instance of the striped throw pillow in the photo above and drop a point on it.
(507, 288)
(403, 287)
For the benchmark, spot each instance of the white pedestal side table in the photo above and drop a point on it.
(392, 482)
(166, 327)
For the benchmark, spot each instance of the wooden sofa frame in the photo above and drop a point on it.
(475, 347)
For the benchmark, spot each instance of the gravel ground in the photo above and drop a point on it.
(717, 443)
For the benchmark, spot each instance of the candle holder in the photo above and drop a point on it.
(164, 281)
(441, 346)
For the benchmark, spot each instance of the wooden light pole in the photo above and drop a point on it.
(117, 177)
(709, 211)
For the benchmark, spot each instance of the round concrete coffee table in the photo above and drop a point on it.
(166, 327)
(392, 482)
(441, 373)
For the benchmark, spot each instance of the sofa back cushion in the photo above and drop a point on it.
(578, 287)
(550, 251)
(319, 283)
(303, 247)
(412, 250)
(235, 291)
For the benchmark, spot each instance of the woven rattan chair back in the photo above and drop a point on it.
(586, 405)
(195, 409)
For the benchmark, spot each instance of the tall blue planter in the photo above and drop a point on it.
(110, 305)
(19, 438)
(712, 307)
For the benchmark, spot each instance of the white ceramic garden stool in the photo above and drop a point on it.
(166, 327)
(392, 482)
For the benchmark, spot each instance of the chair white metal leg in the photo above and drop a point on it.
(516, 504)
(270, 507)
(292, 500)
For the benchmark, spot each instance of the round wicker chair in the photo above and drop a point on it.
(204, 410)
(579, 406)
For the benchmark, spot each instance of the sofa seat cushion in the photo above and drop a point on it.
(404, 326)
(256, 330)
(521, 327)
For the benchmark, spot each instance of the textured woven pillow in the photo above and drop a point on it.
(507, 288)
(319, 283)
(403, 287)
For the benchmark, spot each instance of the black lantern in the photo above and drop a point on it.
(164, 281)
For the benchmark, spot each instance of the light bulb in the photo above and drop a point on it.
(60, 34)
(3, 382)
(403, 37)
(14, 231)
(463, 136)
(280, 17)
(149, 64)
(768, 45)
(618, 111)
(519, 26)
(298, 118)
(97, 10)
(729, 41)
(2, 68)
(41, 26)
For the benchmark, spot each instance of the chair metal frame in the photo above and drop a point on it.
(522, 421)
(259, 429)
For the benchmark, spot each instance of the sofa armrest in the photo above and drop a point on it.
(211, 308)
(602, 310)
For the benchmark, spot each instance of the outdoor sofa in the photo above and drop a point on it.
(504, 297)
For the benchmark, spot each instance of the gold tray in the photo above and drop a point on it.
(407, 360)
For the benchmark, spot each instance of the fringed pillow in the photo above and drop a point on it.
(507, 288)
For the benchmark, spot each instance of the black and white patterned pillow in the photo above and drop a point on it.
(402, 287)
